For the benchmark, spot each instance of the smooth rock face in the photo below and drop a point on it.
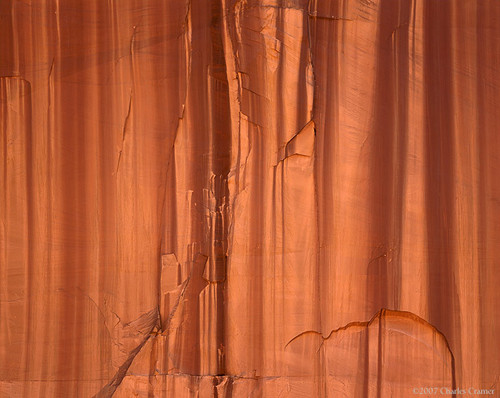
(249, 198)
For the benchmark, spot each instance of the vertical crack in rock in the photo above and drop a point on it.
(124, 133)
(50, 84)
(186, 32)
(316, 170)
(215, 196)
(311, 55)
(132, 40)
(132, 89)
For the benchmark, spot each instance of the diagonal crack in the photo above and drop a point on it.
(109, 389)
(176, 305)
(124, 132)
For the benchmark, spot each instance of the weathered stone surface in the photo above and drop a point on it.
(249, 198)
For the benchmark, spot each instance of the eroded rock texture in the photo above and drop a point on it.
(249, 198)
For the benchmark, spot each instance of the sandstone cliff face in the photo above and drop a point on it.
(249, 198)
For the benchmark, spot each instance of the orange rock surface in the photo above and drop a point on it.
(249, 198)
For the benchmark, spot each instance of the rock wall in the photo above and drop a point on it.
(249, 198)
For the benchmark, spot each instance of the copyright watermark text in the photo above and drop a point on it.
(471, 391)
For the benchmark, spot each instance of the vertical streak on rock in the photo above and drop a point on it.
(32, 43)
(53, 224)
(154, 45)
(484, 140)
(201, 195)
(381, 269)
(217, 201)
(440, 187)
(267, 53)
(400, 48)
(16, 226)
(356, 231)
(74, 134)
(326, 38)
(15, 34)
(466, 167)
(238, 154)
(414, 246)
(6, 45)
(388, 152)
(488, 205)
